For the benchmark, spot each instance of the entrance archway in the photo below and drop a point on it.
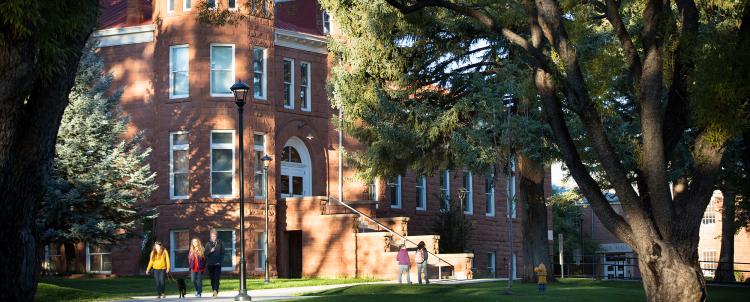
(296, 169)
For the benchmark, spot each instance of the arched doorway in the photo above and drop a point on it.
(296, 169)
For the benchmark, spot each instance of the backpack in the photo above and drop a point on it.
(419, 257)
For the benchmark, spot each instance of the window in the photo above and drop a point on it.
(52, 258)
(260, 251)
(222, 163)
(179, 165)
(186, 4)
(513, 265)
(259, 73)
(227, 238)
(326, 23)
(232, 4)
(395, 186)
(179, 243)
(170, 6)
(289, 83)
(98, 259)
(709, 216)
(709, 262)
(222, 69)
(491, 264)
(469, 198)
(211, 3)
(304, 85)
(179, 80)
(259, 147)
(489, 195)
(445, 189)
(372, 191)
(421, 192)
(512, 188)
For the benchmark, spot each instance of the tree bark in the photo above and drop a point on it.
(533, 218)
(669, 276)
(725, 270)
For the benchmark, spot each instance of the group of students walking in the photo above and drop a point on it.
(200, 260)
(404, 263)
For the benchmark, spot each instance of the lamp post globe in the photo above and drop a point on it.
(266, 163)
(240, 90)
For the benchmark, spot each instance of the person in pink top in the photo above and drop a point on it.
(403, 263)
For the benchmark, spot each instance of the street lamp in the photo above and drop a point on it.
(462, 197)
(240, 90)
(266, 162)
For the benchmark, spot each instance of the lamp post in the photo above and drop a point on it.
(462, 197)
(266, 162)
(240, 90)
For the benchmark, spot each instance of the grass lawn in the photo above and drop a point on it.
(60, 289)
(573, 290)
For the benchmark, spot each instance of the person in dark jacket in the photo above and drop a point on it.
(214, 255)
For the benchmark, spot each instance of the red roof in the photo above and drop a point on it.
(114, 13)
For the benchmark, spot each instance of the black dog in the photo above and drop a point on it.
(181, 287)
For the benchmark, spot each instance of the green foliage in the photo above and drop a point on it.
(566, 220)
(98, 177)
(453, 227)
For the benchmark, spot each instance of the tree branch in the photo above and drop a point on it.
(612, 10)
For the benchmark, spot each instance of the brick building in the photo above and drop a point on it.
(176, 72)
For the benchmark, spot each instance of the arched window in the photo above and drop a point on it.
(291, 155)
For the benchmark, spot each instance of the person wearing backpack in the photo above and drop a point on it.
(421, 259)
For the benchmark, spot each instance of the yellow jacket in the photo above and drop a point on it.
(541, 273)
(157, 261)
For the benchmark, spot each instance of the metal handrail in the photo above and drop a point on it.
(393, 232)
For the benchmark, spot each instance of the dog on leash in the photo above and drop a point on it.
(181, 287)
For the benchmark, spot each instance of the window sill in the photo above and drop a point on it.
(213, 95)
(223, 196)
(179, 269)
(179, 198)
(422, 209)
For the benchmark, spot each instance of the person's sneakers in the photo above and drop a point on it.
(163, 295)
(216, 293)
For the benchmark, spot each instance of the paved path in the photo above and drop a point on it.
(289, 293)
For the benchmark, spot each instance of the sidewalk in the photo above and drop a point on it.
(289, 293)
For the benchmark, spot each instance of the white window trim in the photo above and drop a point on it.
(492, 263)
(235, 5)
(263, 81)
(88, 261)
(423, 195)
(172, 148)
(308, 89)
(262, 248)
(291, 84)
(446, 197)
(490, 199)
(511, 188)
(469, 210)
(323, 19)
(170, 11)
(211, 168)
(171, 72)
(398, 194)
(185, 5)
(211, 69)
(172, 246)
(234, 250)
(261, 149)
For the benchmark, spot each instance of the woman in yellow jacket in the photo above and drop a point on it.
(159, 262)
(541, 275)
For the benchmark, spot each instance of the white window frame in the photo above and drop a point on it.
(445, 191)
(490, 200)
(262, 149)
(511, 188)
(469, 199)
(172, 148)
(211, 167)
(186, 5)
(264, 76)
(326, 20)
(170, 3)
(399, 200)
(211, 68)
(260, 249)
(234, 250)
(492, 264)
(173, 248)
(172, 95)
(291, 83)
(709, 216)
(88, 260)
(422, 198)
(232, 7)
(375, 188)
(308, 89)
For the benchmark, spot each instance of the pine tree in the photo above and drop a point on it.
(99, 177)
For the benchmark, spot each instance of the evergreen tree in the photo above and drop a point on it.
(98, 177)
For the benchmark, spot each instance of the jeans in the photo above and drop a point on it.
(197, 279)
(422, 268)
(542, 287)
(403, 269)
(159, 275)
(214, 271)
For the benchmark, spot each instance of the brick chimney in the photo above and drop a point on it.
(134, 12)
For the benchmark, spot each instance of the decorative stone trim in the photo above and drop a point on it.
(124, 35)
(301, 41)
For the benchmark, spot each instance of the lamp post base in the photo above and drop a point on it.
(242, 296)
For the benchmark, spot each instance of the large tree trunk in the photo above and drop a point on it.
(533, 218)
(725, 270)
(669, 276)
